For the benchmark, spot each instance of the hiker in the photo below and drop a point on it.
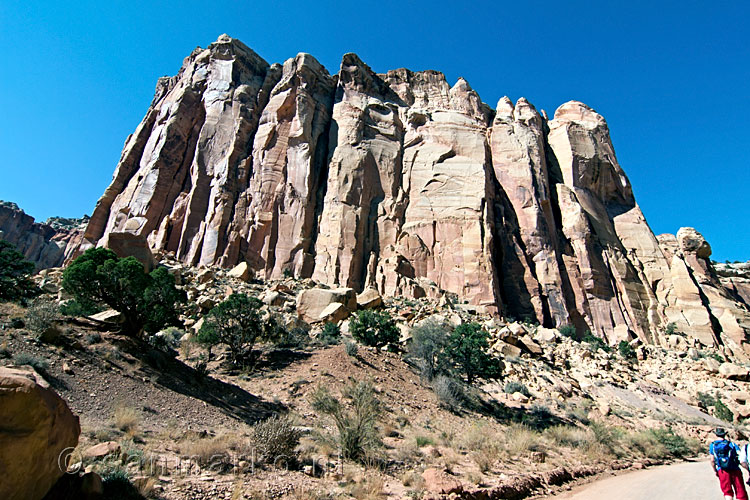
(725, 460)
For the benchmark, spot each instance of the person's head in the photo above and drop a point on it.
(720, 433)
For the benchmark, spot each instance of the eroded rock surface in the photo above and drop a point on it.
(37, 426)
(406, 184)
(46, 244)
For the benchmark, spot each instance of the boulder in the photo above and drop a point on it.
(527, 344)
(37, 428)
(369, 299)
(311, 303)
(241, 272)
(731, 371)
(128, 244)
(334, 312)
(102, 449)
(546, 335)
(107, 316)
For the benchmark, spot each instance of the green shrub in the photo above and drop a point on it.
(671, 329)
(275, 440)
(145, 300)
(467, 351)
(235, 322)
(351, 349)
(626, 350)
(568, 331)
(595, 343)
(15, 283)
(330, 335)
(165, 340)
(674, 443)
(722, 412)
(75, 308)
(423, 440)
(374, 328)
(39, 364)
(355, 421)
(705, 400)
(117, 485)
(41, 315)
(513, 387)
(428, 342)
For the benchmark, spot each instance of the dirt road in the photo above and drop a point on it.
(685, 481)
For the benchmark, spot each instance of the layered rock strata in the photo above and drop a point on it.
(46, 244)
(398, 182)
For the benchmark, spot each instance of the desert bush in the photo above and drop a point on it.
(520, 439)
(606, 435)
(41, 315)
(38, 363)
(513, 387)
(355, 419)
(126, 418)
(76, 308)
(675, 444)
(165, 340)
(374, 328)
(539, 417)
(330, 335)
(423, 440)
(626, 350)
(569, 436)
(214, 449)
(117, 485)
(93, 338)
(671, 329)
(351, 349)
(145, 300)
(15, 270)
(426, 348)
(722, 412)
(568, 331)
(467, 351)
(449, 391)
(235, 322)
(595, 343)
(275, 440)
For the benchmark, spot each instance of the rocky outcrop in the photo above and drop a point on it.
(37, 427)
(699, 303)
(405, 184)
(46, 244)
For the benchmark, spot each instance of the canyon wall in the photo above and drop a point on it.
(404, 183)
(46, 244)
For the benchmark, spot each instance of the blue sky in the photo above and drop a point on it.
(671, 78)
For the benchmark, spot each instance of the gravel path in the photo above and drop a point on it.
(684, 481)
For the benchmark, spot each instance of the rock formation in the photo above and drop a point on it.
(46, 244)
(37, 427)
(406, 184)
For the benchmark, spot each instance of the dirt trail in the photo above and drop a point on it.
(684, 481)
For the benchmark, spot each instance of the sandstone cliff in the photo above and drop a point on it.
(46, 244)
(404, 183)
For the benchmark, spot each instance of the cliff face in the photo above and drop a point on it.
(46, 244)
(404, 183)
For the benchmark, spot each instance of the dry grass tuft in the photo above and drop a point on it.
(520, 440)
(127, 419)
(370, 487)
(209, 449)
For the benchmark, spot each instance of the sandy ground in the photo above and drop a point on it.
(684, 481)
